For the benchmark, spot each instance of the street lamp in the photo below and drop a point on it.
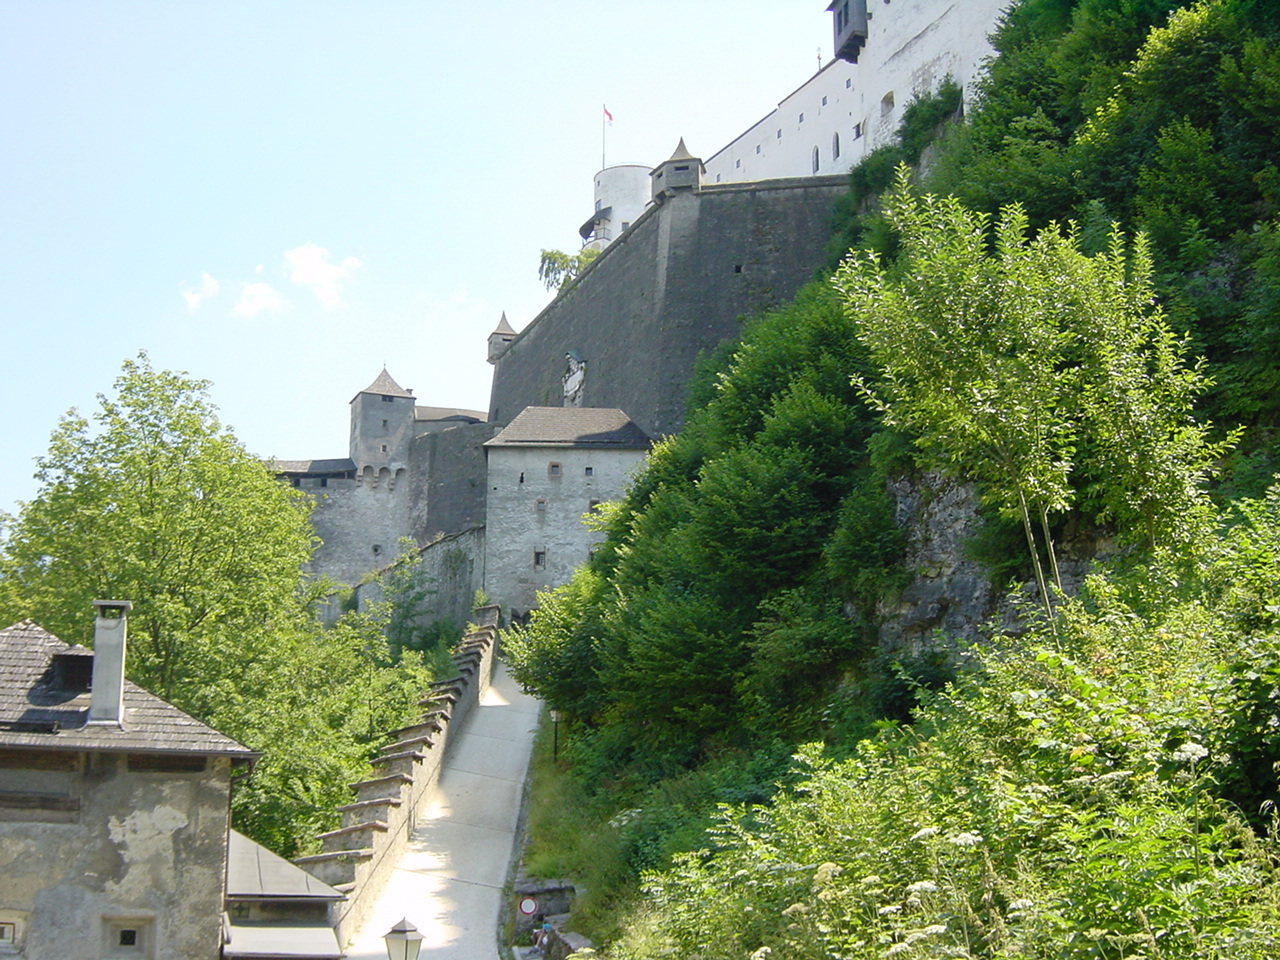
(403, 941)
(555, 734)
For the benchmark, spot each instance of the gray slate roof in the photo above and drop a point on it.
(339, 465)
(448, 413)
(503, 325)
(31, 704)
(384, 385)
(255, 873)
(603, 427)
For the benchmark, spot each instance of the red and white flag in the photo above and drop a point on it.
(607, 115)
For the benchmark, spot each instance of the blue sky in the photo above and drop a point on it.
(280, 197)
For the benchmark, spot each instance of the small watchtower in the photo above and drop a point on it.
(849, 28)
(499, 339)
(381, 424)
(681, 172)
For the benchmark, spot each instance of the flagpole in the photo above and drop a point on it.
(604, 112)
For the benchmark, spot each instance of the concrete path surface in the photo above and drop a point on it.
(449, 882)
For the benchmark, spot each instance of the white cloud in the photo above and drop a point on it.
(310, 267)
(196, 295)
(256, 298)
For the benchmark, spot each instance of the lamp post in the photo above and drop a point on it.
(555, 734)
(403, 941)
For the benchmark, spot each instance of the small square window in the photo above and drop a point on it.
(384, 448)
(540, 506)
(386, 424)
(553, 469)
(779, 134)
(625, 224)
(802, 118)
(386, 399)
(757, 148)
(127, 937)
(848, 84)
(8, 934)
(589, 472)
(539, 558)
(824, 101)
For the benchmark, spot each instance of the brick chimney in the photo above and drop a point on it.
(110, 631)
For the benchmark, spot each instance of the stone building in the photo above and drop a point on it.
(114, 807)
(546, 470)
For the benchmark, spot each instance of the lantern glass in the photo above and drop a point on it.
(403, 941)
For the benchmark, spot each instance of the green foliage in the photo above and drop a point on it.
(1058, 802)
(558, 270)
(157, 503)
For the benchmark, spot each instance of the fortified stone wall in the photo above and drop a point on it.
(359, 523)
(376, 826)
(678, 282)
(451, 571)
(447, 471)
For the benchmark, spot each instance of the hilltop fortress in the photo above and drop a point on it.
(492, 499)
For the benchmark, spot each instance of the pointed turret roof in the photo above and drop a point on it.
(682, 153)
(503, 326)
(385, 386)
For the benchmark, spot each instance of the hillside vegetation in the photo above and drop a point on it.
(1026, 315)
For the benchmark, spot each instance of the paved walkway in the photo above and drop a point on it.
(449, 882)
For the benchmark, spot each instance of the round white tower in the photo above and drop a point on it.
(621, 194)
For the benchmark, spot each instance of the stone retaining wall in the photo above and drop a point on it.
(360, 855)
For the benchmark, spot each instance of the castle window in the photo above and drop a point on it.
(539, 558)
(521, 478)
(816, 159)
(835, 146)
(384, 448)
(324, 481)
(377, 549)
(886, 104)
(684, 168)
(857, 131)
(540, 506)
(589, 472)
(717, 178)
(386, 424)
(737, 268)
(625, 224)
(737, 164)
(127, 937)
(802, 118)
(386, 399)
(848, 83)
(757, 148)
(779, 134)
(593, 506)
(553, 469)
(824, 101)
(8, 934)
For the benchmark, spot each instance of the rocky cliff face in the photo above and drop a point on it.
(949, 593)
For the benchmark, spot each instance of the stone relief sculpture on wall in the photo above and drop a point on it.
(573, 379)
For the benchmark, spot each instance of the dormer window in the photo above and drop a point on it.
(386, 399)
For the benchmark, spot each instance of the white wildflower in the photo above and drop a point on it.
(922, 886)
(1190, 752)
(890, 910)
(762, 954)
(935, 930)
(967, 839)
(924, 833)
(896, 949)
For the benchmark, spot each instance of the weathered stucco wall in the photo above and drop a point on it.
(446, 473)
(679, 281)
(533, 514)
(122, 849)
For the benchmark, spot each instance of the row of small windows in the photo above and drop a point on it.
(555, 470)
(540, 556)
(540, 506)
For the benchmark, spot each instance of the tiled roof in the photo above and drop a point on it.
(384, 385)
(255, 873)
(37, 712)
(314, 466)
(448, 413)
(572, 427)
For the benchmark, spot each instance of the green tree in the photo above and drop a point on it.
(156, 502)
(557, 270)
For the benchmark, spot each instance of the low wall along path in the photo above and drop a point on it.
(443, 864)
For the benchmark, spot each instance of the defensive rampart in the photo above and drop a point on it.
(679, 281)
(360, 855)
